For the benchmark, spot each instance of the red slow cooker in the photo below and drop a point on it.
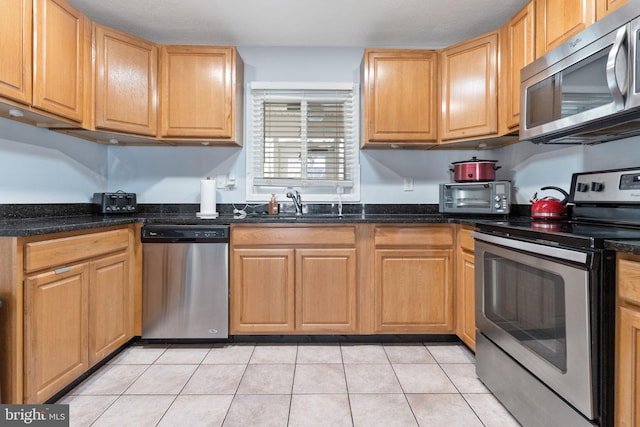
(474, 170)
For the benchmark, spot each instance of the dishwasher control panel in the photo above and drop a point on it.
(166, 233)
(207, 234)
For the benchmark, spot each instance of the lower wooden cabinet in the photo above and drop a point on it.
(110, 306)
(293, 280)
(342, 279)
(627, 396)
(262, 292)
(77, 311)
(56, 313)
(413, 279)
(413, 290)
(465, 288)
(325, 290)
(628, 368)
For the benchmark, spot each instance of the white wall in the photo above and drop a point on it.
(40, 166)
(172, 175)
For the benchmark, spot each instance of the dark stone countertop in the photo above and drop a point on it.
(14, 224)
(24, 227)
(626, 246)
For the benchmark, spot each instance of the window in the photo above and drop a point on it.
(303, 136)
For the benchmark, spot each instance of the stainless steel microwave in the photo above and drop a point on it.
(492, 197)
(586, 90)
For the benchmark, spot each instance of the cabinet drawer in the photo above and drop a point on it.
(628, 272)
(465, 240)
(326, 235)
(56, 252)
(407, 236)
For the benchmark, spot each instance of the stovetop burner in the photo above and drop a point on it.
(569, 232)
(605, 206)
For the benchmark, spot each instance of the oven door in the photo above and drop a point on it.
(533, 302)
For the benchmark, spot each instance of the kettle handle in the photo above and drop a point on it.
(564, 193)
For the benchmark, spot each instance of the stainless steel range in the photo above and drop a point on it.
(545, 298)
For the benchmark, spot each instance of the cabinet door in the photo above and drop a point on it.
(58, 58)
(465, 287)
(326, 290)
(413, 290)
(126, 82)
(604, 7)
(400, 96)
(110, 306)
(262, 291)
(628, 368)
(559, 20)
(55, 330)
(198, 85)
(15, 50)
(517, 49)
(469, 88)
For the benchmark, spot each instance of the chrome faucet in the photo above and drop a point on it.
(297, 202)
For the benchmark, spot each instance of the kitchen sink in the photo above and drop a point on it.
(291, 216)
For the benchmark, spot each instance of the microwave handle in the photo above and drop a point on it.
(617, 92)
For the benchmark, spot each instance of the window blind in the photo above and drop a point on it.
(303, 138)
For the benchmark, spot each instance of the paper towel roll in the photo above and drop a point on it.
(208, 196)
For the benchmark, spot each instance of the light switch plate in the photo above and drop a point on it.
(408, 183)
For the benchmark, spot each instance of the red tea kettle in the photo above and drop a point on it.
(549, 207)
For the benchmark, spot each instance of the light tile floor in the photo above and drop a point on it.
(287, 385)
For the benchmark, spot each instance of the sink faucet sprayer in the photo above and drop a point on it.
(297, 202)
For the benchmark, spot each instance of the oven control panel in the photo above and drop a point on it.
(615, 186)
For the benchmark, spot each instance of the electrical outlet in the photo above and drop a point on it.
(221, 181)
(407, 183)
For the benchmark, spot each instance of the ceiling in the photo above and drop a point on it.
(430, 24)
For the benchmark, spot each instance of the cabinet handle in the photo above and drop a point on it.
(62, 270)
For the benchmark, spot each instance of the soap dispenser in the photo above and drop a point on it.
(273, 205)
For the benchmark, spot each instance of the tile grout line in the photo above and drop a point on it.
(293, 381)
(446, 359)
(184, 385)
(346, 385)
(246, 366)
(124, 391)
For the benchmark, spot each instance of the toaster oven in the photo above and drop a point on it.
(476, 197)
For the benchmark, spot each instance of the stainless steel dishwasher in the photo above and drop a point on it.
(185, 281)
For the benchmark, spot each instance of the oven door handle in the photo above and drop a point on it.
(551, 251)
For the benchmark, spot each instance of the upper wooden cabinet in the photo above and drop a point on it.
(59, 58)
(126, 82)
(399, 97)
(469, 89)
(517, 49)
(559, 20)
(15, 50)
(201, 93)
(604, 7)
